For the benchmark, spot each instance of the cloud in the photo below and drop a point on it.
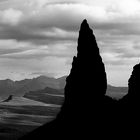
(11, 16)
(55, 66)
(51, 21)
(27, 26)
(59, 16)
(112, 58)
(11, 47)
(30, 51)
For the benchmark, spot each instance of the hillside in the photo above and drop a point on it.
(47, 95)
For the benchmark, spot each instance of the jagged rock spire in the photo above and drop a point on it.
(86, 40)
(89, 57)
(84, 91)
(87, 80)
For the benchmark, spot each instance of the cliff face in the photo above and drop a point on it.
(133, 95)
(134, 82)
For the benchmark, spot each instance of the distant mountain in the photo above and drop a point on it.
(62, 82)
(7, 86)
(19, 88)
(38, 83)
(47, 84)
(116, 92)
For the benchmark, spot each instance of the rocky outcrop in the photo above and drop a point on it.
(133, 95)
(10, 97)
(88, 70)
(84, 91)
(134, 83)
(87, 82)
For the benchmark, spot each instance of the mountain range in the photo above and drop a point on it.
(49, 85)
(19, 88)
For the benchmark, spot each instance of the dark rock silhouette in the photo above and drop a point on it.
(128, 106)
(84, 92)
(133, 95)
(134, 84)
(10, 97)
(87, 83)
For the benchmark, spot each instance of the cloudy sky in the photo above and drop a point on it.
(39, 37)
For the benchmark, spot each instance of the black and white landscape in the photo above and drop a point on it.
(35, 102)
(42, 43)
(28, 104)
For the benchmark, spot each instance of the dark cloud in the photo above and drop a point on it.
(30, 28)
(32, 35)
(19, 34)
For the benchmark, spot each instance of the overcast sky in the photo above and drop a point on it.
(39, 37)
